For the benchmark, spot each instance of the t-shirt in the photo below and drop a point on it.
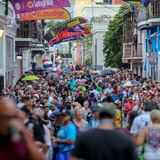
(142, 121)
(108, 90)
(98, 144)
(67, 133)
(72, 85)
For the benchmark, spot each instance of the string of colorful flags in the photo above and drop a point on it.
(134, 5)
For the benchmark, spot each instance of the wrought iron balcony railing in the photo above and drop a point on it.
(150, 12)
(155, 8)
(132, 51)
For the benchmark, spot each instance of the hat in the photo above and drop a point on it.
(97, 107)
(110, 112)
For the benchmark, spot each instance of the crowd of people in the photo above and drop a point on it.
(81, 115)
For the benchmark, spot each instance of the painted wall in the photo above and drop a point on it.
(79, 5)
(7, 45)
(152, 59)
(116, 1)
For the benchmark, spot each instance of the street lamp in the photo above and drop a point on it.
(1, 33)
(19, 56)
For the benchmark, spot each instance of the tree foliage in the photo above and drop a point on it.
(113, 41)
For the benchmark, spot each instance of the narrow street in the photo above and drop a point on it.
(79, 80)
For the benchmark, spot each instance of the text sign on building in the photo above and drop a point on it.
(21, 6)
(56, 13)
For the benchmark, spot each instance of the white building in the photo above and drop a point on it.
(7, 46)
(99, 16)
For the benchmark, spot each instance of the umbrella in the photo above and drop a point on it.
(107, 72)
(30, 78)
(66, 70)
(134, 82)
(114, 69)
(129, 83)
(44, 60)
(55, 69)
(96, 72)
(38, 69)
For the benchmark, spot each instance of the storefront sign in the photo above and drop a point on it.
(22, 6)
(56, 13)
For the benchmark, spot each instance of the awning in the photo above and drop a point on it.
(37, 49)
(24, 42)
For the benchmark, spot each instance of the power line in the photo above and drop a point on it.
(105, 6)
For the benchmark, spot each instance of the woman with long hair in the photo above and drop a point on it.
(80, 123)
(150, 138)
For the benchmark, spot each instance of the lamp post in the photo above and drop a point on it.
(19, 56)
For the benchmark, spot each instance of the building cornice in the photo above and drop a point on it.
(148, 23)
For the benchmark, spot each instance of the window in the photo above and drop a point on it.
(107, 1)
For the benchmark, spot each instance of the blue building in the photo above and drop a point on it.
(150, 22)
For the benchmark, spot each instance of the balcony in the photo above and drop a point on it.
(28, 29)
(137, 52)
(150, 15)
(132, 52)
(127, 50)
(155, 8)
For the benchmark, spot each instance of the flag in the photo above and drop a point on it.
(137, 4)
(145, 2)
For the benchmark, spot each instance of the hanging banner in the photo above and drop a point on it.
(66, 34)
(53, 42)
(62, 35)
(22, 6)
(56, 13)
(65, 25)
(77, 28)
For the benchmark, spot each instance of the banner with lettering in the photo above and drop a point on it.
(22, 6)
(65, 25)
(74, 38)
(56, 13)
(65, 34)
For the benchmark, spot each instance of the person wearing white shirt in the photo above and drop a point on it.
(140, 122)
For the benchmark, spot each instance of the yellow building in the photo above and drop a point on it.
(79, 5)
